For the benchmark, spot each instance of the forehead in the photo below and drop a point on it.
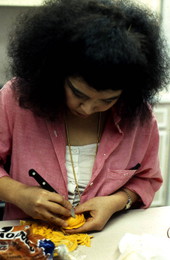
(89, 91)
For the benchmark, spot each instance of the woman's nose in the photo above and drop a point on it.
(88, 107)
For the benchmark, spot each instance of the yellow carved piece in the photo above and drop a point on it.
(76, 222)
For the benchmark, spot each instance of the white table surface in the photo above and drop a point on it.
(104, 245)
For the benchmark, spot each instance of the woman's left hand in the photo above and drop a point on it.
(100, 210)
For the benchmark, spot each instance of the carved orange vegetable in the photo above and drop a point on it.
(76, 222)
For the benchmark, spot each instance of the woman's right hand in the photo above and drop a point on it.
(41, 204)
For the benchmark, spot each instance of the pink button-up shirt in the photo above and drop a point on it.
(33, 142)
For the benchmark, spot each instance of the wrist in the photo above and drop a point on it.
(129, 200)
(119, 200)
(124, 199)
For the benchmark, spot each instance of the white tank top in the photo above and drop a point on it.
(83, 159)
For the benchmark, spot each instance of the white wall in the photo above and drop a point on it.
(166, 27)
(166, 18)
(7, 17)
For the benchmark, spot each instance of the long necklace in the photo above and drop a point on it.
(70, 151)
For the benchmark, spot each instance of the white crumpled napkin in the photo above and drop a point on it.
(64, 254)
(144, 247)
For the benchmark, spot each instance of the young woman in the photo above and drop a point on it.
(78, 110)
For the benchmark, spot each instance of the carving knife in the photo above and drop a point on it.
(45, 185)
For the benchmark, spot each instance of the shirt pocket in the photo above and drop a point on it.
(118, 178)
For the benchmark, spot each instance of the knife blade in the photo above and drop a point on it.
(45, 185)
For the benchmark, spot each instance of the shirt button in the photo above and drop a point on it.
(91, 183)
(104, 154)
(55, 133)
(75, 150)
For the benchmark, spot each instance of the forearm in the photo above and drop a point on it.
(120, 198)
(10, 189)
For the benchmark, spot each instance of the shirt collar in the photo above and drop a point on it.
(116, 121)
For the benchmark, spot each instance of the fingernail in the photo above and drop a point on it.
(72, 212)
(65, 224)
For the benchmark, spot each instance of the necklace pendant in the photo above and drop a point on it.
(77, 190)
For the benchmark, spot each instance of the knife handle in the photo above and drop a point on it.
(43, 183)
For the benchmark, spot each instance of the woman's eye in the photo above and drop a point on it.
(79, 95)
(107, 101)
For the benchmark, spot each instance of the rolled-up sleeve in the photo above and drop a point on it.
(148, 179)
(6, 121)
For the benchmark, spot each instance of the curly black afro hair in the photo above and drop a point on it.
(111, 44)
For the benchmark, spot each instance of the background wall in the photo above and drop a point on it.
(7, 17)
(166, 95)
(166, 25)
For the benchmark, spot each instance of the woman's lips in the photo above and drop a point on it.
(82, 115)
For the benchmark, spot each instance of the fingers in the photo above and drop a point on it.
(54, 203)
(82, 208)
(48, 206)
(58, 209)
(51, 218)
(54, 197)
